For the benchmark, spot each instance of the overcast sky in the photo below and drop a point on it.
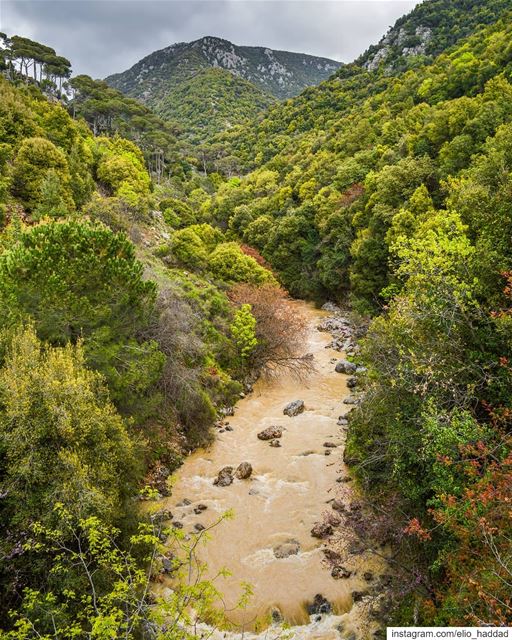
(101, 37)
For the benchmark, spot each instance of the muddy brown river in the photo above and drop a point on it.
(287, 493)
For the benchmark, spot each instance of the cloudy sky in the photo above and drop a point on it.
(101, 37)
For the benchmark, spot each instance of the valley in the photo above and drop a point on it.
(195, 441)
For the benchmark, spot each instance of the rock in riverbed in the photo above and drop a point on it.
(286, 549)
(351, 382)
(344, 366)
(275, 443)
(321, 530)
(225, 477)
(340, 572)
(243, 471)
(294, 408)
(200, 508)
(270, 433)
(319, 605)
(160, 516)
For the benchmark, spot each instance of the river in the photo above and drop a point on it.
(288, 492)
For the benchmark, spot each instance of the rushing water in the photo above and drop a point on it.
(288, 492)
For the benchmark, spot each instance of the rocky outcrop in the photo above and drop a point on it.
(294, 408)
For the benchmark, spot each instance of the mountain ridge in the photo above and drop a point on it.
(282, 74)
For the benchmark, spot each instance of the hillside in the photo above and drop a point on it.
(210, 101)
(173, 81)
(428, 30)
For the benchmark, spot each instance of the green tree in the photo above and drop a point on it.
(36, 156)
(243, 329)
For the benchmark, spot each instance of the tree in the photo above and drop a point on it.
(61, 441)
(243, 329)
(80, 280)
(36, 156)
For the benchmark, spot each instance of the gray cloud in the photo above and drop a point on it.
(101, 37)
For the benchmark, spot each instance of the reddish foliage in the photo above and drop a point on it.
(279, 328)
(254, 253)
(351, 194)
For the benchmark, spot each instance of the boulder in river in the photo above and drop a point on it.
(344, 366)
(294, 408)
(275, 443)
(243, 471)
(286, 549)
(270, 433)
(321, 530)
(225, 477)
(277, 616)
(200, 508)
(330, 445)
(199, 527)
(319, 605)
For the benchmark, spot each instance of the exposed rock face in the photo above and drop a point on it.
(243, 471)
(225, 477)
(279, 73)
(286, 549)
(270, 433)
(294, 408)
(344, 366)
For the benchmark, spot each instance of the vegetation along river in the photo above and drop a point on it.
(268, 542)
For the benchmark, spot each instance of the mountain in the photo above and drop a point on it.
(216, 82)
(429, 29)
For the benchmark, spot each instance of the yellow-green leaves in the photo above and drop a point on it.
(243, 329)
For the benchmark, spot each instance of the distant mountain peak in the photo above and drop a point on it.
(281, 74)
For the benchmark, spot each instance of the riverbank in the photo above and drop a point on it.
(284, 536)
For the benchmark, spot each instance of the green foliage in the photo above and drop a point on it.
(120, 167)
(55, 414)
(194, 84)
(228, 263)
(39, 165)
(77, 279)
(243, 329)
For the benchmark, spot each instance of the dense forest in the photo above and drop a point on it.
(136, 273)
